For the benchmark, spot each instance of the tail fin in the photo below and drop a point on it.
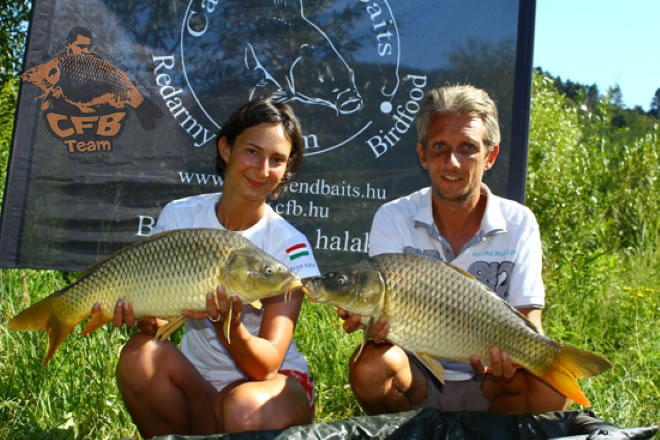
(571, 364)
(40, 317)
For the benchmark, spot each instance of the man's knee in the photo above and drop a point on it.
(523, 394)
(376, 365)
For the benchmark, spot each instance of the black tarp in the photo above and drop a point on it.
(429, 424)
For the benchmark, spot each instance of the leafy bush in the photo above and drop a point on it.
(593, 188)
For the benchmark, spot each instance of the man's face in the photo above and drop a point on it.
(455, 156)
(82, 44)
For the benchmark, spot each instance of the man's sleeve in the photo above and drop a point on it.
(526, 288)
(387, 232)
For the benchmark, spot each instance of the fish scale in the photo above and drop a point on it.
(87, 67)
(161, 276)
(453, 332)
(436, 310)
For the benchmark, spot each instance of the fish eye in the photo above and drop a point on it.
(268, 270)
(342, 279)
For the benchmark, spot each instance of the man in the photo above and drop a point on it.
(79, 40)
(457, 219)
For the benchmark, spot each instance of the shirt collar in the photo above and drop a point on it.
(492, 222)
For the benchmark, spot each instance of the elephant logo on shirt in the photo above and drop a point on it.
(494, 274)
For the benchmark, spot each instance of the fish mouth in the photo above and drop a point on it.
(312, 289)
(350, 104)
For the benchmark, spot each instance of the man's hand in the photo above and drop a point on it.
(500, 364)
(514, 390)
(378, 332)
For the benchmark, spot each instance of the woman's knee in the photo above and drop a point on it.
(240, 410)
(255, 406)
(138, 358)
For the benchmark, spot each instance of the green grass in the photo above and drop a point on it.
(75, 396)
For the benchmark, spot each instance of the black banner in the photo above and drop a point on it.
(120, 103)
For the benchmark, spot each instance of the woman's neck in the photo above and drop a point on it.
(239, 215)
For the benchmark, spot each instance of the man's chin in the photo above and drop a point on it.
(459, 197)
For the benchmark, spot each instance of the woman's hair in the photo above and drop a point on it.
(254, 113)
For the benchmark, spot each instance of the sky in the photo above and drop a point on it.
(605, 42)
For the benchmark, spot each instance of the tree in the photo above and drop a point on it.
(655, 104)
(14, 15)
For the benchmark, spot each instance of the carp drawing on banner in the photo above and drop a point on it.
(299, 52)
(88, 95)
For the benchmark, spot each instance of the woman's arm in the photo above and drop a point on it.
(258, 356)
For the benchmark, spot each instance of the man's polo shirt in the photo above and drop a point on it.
(505, 254)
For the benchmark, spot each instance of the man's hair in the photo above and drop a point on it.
(73, 34)
(258, 111)
(462, 100)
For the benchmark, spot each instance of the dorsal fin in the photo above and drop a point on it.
(525, 320)
(92, 267)
(461, 271)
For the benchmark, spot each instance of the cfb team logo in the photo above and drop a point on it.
(336, 63)
(85, 98)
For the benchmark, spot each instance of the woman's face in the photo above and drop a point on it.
(257, 161)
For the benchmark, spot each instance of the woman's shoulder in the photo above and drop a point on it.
(185, 212)
(280, 226)
(191, 202)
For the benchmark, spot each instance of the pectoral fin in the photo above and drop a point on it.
(433, 365)
(97, 320)
(256, 304)
(165, 331)
(364, 339)
(227, 323)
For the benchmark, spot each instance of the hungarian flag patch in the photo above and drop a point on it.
(297, 251)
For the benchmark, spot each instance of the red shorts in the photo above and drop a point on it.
(305, 381)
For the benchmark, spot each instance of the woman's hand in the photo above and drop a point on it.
(217, 309)
(123, 315)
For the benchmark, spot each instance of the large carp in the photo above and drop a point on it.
(436, 310)
(88, 81)
(161, 276)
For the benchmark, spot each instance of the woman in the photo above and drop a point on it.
(260, 380)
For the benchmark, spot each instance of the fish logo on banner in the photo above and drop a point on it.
(89, 96)
(303, 53)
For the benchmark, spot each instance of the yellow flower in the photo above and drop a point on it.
(628, 288)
